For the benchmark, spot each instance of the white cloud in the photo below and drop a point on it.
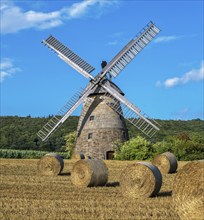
(172, 82)
(78, 9)
(14, 18)
(7, 69)
(193, 75)
(167, 38)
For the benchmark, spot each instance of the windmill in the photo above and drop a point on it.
(104, 104)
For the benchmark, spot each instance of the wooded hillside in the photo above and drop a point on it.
(20, 132)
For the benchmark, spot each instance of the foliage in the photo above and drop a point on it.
(135, 149)
(70, 140)
(141, 149)
(182, 149)
(184, 138)
(117, 145)
(27, 154)
(171, 128)
(20, 133)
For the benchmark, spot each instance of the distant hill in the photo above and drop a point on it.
(20, 132)
(174, 127)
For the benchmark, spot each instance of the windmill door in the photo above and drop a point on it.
(109, 155)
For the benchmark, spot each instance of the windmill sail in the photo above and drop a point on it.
(130, 51)
(64, 113)
(69, 57)
(132, 113)
(116, 65)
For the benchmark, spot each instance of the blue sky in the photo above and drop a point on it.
(165, 80)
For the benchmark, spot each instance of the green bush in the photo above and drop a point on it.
(135, 149)
(182, 146)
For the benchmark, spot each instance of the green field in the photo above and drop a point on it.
(27, 195)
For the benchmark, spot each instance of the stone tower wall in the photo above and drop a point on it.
(100, 127)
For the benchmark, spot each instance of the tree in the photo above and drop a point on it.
(70, 140)
(182, 148)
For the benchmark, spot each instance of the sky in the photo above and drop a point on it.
(165, 80)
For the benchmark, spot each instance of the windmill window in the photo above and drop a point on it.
(91, 118)
(124, 134)
(90, 136)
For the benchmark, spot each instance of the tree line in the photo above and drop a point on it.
(183, 137)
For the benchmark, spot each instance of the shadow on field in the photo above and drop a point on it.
(65, 174)
(164, 194)
(113, 184)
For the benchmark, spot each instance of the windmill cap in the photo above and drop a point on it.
(101, 90)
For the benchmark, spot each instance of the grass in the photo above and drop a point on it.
(27, 195)
(28, 154)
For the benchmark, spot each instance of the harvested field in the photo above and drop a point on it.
(27, 195)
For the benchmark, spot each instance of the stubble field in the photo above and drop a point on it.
(27, 195)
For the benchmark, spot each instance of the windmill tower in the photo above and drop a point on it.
(99, 125)
(104, 105)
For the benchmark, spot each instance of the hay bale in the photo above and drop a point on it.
(140, 180)
(89, 172)
(78, 156)
(50, 165)
(188, 191)
(166, 162)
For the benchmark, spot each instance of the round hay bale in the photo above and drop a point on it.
(50, 165)
(166, 162)
(188, 191)
(89, 172)
(78, 156)
(140, 180)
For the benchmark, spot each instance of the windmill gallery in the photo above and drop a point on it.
(102, 120)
